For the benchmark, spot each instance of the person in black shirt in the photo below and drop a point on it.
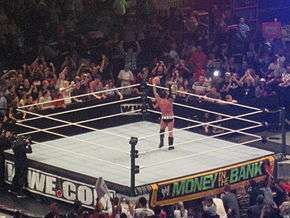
(20, 146)
(5, 143)
(255, 210)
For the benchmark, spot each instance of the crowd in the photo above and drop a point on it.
(230, 66)
(60, 54)
(261, 203)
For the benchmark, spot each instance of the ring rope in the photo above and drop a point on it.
(200, 124)
(220, 114)
(72, 137)
(80, 154)
(212, 136)
(84, 108)
(78, 125)
(238, 117)
(225, 133)
(200, 96)
(85, 121)
(79, 96)
(198, 154)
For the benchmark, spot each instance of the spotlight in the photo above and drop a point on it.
(216, 73)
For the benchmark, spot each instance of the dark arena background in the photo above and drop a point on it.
(88, 86)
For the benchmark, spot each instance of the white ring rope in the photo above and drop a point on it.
(212, 136)
(73, 137)
(79, 96)
(79, 125)
(220, 114)
(198, 154)
(80, 154)
(206, 137)
(86, 121)
(201, 96)
(83, 108)
(202, 124)
(238, 117)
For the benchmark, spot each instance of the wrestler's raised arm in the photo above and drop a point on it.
(154, 81)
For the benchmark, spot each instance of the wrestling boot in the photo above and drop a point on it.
(170, 142)
(161, 138)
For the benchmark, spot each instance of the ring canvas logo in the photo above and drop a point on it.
(57, 187)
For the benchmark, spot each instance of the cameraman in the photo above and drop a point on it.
(20, 146)
(5, 144)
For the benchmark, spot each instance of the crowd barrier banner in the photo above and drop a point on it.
(55, 186)
(208, 183)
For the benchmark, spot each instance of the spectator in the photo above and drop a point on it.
(231, 203)
(75, 211)
(160, 212)
(267, 192)
(142, 209)
(269, 212)
(3, 103)
(220, 209)
(54, 211)
(285, 209)
(112, 94)
(209, 208)
(183, 70)
(261, 90)
(126, 77)
(180, 211)
(66, 91)
(244, 28)
(199, 61)
(45, 101)
(106, 69)
(229, 98)
(248, 82)
(285, 78)
(160, 70)
(254, 191)
(130, 56)
(116, 207)
(256, 210)
(143, 75)
(202, 86)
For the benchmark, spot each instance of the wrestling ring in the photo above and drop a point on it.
(101, 146)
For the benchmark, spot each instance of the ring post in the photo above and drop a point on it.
(134, 168)
(144, 99)
(283, 130)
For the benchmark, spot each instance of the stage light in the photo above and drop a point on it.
(216, 73)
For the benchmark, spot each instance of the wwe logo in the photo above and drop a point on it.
(165, 191)
(127, 108)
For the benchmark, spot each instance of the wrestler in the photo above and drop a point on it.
(164, 102)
